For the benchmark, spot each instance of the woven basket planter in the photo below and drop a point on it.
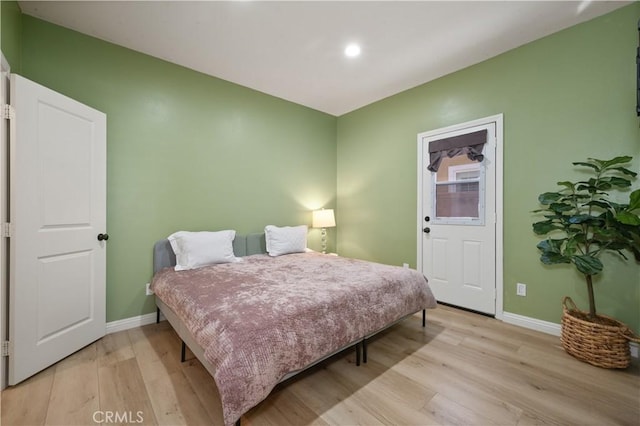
(604, 342)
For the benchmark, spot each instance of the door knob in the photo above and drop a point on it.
(426, 230)
(103, 237)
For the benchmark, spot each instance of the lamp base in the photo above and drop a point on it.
(324, 240)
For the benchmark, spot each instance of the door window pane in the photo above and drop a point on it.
(458, 189)
(457, 199)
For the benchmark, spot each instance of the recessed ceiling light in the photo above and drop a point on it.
(352, 50)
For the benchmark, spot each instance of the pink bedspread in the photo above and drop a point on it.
(264, 317)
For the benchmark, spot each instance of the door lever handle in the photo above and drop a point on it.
(426, 230)
(103, 237)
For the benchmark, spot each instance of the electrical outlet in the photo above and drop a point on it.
(521, 289)
(405, 265)
(147, 289)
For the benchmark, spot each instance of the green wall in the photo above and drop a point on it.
(565, 97)
(184, 151)
(11, 33)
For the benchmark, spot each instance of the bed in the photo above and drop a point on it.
(260, 320)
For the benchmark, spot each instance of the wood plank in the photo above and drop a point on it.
(537, 392)
(123, 392)
(157, 350)
(333, 401)
(75, 393)
(283, 407)
(436, 374)
(204, 387)
(114, 348)
(449, 412)
(391, 386)
(27, 403)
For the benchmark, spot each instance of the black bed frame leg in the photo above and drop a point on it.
(424, 317)
(358, 354)
(157, 315)
(183, 352)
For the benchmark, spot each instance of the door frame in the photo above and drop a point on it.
(498, 120)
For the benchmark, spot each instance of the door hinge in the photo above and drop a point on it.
(6, 230)
(5, 348)
(8, 112)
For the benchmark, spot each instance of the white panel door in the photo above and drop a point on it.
(58, 210)
(458, 229)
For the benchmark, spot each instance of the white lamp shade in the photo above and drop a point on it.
(323, 218)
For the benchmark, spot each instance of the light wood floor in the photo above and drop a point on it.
(463, 369)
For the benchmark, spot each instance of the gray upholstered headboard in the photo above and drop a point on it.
(243, 245)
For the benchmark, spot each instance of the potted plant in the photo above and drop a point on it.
(581, 223)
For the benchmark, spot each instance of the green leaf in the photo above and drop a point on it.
(586, 264)
(581, 163)
(592, 187)
(602, 204)
(604, 233)
(581, 218)
(571, 247)
(619, 207)
(634, 200)
(603, 185)
(549, 197)
(625, 171)
(615, 181)
(554, 258)
(551, 245)
(560, 207)
(579, 237)
(569, 185)
(576, 198)
(608, 163)
(617, 246)
(544, 227)
(628, 218)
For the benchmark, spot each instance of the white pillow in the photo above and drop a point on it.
(285, 240)
(197, 249)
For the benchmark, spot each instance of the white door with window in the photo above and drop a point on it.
(57, 245)
(457, 214)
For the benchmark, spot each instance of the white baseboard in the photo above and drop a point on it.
(531, 323)
(547, 327)
(133, 322)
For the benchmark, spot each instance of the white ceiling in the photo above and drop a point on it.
(294, 50)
